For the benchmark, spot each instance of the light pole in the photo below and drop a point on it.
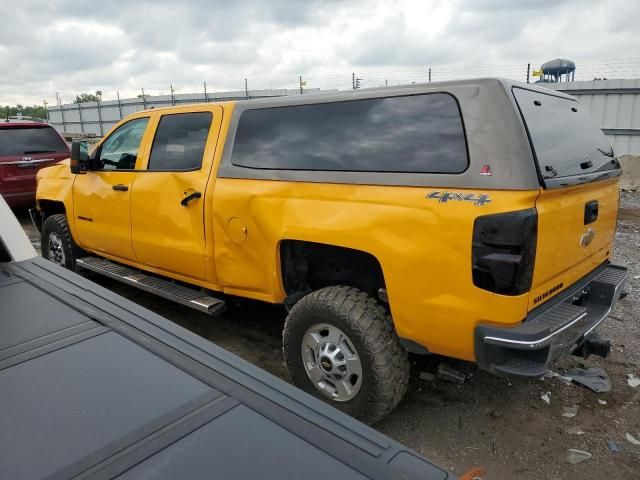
(99, 97)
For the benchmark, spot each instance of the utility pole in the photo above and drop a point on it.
(144, 100)
(173, 97)
(46, 112)
(99, 95)
(59, 102)
(429, 74)
(300, 84)
(528, 69)
(355, 81)
(80, 117)
(206, 99)
(246, 89)
(119, 104)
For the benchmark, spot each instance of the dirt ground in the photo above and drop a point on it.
(489, 421)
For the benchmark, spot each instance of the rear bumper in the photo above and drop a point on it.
(554, 329)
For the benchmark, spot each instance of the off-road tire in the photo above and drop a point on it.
(385, 366)
(58, 224)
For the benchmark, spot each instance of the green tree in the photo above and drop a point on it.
(26, 110)
(85, 97)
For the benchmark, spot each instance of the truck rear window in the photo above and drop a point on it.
(30, 140)
(415, 134)
(569, 146)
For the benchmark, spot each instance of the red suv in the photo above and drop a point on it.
(26, 146)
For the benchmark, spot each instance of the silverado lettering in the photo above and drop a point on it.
(548, 293)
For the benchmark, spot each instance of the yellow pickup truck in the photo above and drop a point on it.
(472, 219)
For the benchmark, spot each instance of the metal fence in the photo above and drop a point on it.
(614, 103)
(96, 118)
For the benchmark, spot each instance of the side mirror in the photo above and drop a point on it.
(79, 157)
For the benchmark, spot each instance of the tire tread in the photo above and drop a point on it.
(58, 223)
(373, 326)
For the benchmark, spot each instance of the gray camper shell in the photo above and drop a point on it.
(513, 128)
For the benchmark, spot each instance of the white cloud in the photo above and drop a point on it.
(69, 46)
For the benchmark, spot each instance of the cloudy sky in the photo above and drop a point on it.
(71, 46)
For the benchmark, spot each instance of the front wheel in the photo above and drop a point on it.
(56, 242)
(340, 345)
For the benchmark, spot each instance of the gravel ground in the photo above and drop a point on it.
(491, 422)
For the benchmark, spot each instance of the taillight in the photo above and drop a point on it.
(504, 251)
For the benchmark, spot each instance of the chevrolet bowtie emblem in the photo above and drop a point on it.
(587, 237)
(27, 158)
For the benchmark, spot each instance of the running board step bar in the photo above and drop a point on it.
(189, 297)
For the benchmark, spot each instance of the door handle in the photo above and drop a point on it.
(590, 212)
(192, 196)
(120, 187)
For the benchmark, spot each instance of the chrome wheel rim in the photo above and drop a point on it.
(55, 249)
(331, 362)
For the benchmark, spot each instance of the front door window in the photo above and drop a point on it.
(120, 150)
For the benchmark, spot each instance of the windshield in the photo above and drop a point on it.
(28, 141)
(566, 140)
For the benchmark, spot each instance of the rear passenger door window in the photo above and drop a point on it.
(405, 134)
(180, 141)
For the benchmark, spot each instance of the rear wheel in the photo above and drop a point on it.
(340, 345)
(56, 243)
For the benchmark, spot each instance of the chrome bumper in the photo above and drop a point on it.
(554, 329)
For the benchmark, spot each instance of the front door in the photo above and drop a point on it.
(168, 196)
(102, 196)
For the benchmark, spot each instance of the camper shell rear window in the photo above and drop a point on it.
(569, 147)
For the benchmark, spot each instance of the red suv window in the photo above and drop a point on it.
(30, 140)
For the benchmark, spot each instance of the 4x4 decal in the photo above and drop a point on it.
(477, 199)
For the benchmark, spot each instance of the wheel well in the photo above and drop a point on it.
(51, 207)
(308, 266)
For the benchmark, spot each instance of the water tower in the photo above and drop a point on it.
(558, 70)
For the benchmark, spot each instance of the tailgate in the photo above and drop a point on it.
(568, 247)
(578, 206)
(24, 149)
(18, 173)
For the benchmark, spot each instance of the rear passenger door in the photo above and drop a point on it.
(169, 194)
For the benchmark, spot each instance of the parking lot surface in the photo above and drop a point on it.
(499, 424)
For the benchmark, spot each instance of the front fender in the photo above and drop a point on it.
(55, 184)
